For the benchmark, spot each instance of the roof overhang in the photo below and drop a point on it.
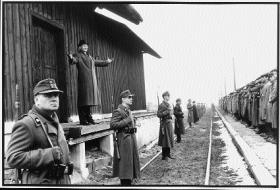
(126, 11)
(123, 34)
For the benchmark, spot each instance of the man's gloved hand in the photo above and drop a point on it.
(128, 120)
(57, 154)
(109, 60)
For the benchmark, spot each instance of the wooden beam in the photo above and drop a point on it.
(86, 129)
(89, 137)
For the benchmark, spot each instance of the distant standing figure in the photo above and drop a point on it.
(88, 92)
(190, 112)
(166, 134)
(179, 123)
(195, 114)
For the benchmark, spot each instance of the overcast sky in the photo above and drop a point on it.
(197, 44)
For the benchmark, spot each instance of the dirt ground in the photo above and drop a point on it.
(103, 175)
(191, 158)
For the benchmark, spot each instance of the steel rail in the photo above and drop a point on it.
(207, 175)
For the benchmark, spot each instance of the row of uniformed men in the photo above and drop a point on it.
(39, 150)
(165, 113)
(256, 103)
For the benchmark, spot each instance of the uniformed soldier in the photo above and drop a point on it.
(190, 112)
(38, 146)
(179, 123)
(273, 99)
(195, 114)
(88, 91)
(166, 133)
(126, 163)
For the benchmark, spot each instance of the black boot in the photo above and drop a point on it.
(168, 154)
(178, 138)
(83, 113)
(126, 182)
(164, 153)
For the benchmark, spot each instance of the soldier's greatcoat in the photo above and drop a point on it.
(195, 114)
(273, 100)
(166, 133)
(179, 123)
(128, 166)
(29, 148)
(264, 93)
(190, 113)
(88, 91)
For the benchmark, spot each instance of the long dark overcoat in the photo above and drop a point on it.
(273, 99)
(190, 113)
(128, 166)
(179, 123)
(88, 91)
(264, 96)
(166, 134)
(29, 149)
(195, 114)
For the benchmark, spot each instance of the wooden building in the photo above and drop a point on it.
(38, 36)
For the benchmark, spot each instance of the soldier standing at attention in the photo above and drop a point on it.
(190, 112)
(38, 146)
(88, 91)
(127, 165)
(166, 134)
(179, 123)
(195, 114)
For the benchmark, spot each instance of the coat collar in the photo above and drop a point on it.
(165, 103)
(178, 106)
(123, 107)
(46, 119)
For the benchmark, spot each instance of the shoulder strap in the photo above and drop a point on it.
(39, 123)
(122, 112)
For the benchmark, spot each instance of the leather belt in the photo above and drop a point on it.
(129, 130)
(68, 170)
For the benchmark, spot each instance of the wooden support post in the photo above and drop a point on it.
(106, 144)
(78, 157)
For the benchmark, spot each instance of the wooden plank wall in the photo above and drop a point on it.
(126, 72)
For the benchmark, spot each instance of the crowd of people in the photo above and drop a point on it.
(256, 105)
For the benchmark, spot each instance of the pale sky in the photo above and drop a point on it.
(197, 44)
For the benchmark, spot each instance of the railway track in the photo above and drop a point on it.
(210, 170)
(207, 175)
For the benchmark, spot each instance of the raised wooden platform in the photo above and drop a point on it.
(76, 133)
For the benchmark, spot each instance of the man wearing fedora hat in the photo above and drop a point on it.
(88, 91)
(126, 166)
(38, 146)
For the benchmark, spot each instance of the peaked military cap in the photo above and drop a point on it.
(166, 93)
(125, 94)
(82, 42)
(46, 86)
(178, 99)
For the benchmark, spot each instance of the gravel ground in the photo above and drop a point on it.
(191, 159)
(228, 167)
